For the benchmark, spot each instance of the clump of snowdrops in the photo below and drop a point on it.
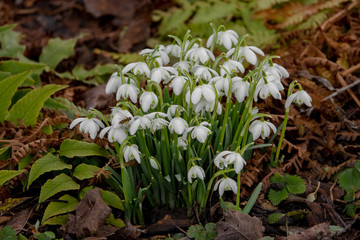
(186, 115)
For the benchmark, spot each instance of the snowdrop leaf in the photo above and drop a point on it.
(8, 88)
(71, 148)
(45, 164)
(6, 175)
(58, 184)
(85, 171)
(28, 108)
(56, 208)
(57, 50)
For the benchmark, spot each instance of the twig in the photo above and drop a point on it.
(352, 69)
(340, 90)
(344, 84)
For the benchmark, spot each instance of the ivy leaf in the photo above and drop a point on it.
(28, 108)
(8, 88)
(57, 50)
(71, 148)
(276, 197)
(45, 164)
(112, 199)
(294, 184)
(350, 179)
(275, 217)
(85, 171)
(57, 208)
(6, 175)
(60, 183)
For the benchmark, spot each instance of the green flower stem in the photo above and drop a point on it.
(282, 135)
(209, 187)
(160, 93)
(166, 154)
(238, 192)
(227, 110)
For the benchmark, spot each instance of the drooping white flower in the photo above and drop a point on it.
(153, 163)
(205, 91)
(221, 83)
(225, 158)
(247, 52)
(148, 100)
(157, 124)
(118, 134)
(137, 68)
(174, 50)
(240, 88)
(120, 117)
(206, 106)
(128, 90)
(162, 73)
(226, 184)
(159, 53)
(131, 152)
(200, 54)
(201, 132)
(182, 65)
(276, 70)
(113, 84)
(171, 112)
(270, 87)
(178, 125)
(88, 125)
(231, 66)
(153, 115)
(196, 172)
(182, 142)
(259, 127)
(299, 97)
(203, 72)
(227, 39)
(177, 83)
(141, 122)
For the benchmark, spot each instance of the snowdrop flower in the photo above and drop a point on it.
(203, 72)
(120, 117)
(240, 88)
(117, 134)
(157, 124)
(153, 115)
(276, 70)
(153, 163)
(160, 53)
(196, 172)
(204, 105)
(174, 50)
(147, 100)
(220, 160)
(178, 125)
(128, 90)
(247, 52)
(201, 132)
(171, 112)
(182, 66)
(299, 97)
(182, 142)
(88, 125)
(261, 127)
(160, 73)
(265, 89)
(231, 66)
(205, 91)
(137, 68)
(131, 152)
(199, 54)
(227, 39)
(141, 122)
(177, 83)
(113, 84)
(226, 158)
(221, 83)
(226, 184)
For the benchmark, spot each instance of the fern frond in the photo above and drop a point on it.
(70, 106)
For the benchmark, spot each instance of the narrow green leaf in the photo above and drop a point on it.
(6, 175)
(57, 50)
(56, 208)
(57, 220)
(53, 186)
(294, 184)
(28, 108)
(45, 164)
(8, 88)
(275, 217)
(276, 197)
(71, 148)
(112, 199)
(2, 150)
(85, 171)
(249, 205)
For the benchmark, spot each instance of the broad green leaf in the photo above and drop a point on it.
(277, 178)
(63, 103)
(2, 150)
(85, 171)
(28, 108)
(8, 88)
(57, 50)
(71, 148)
(45, 164)
(53, 186)
(5, 28)
(4, 75)
(276, 197)
(24, 161)
(7, 233)
(16, 67)
(112, 199)
(6, 175)
(275, 217)
(294, 184)
(57, 220)
(350, 179)
(10, 46)
(57, 208)
(115, 222)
